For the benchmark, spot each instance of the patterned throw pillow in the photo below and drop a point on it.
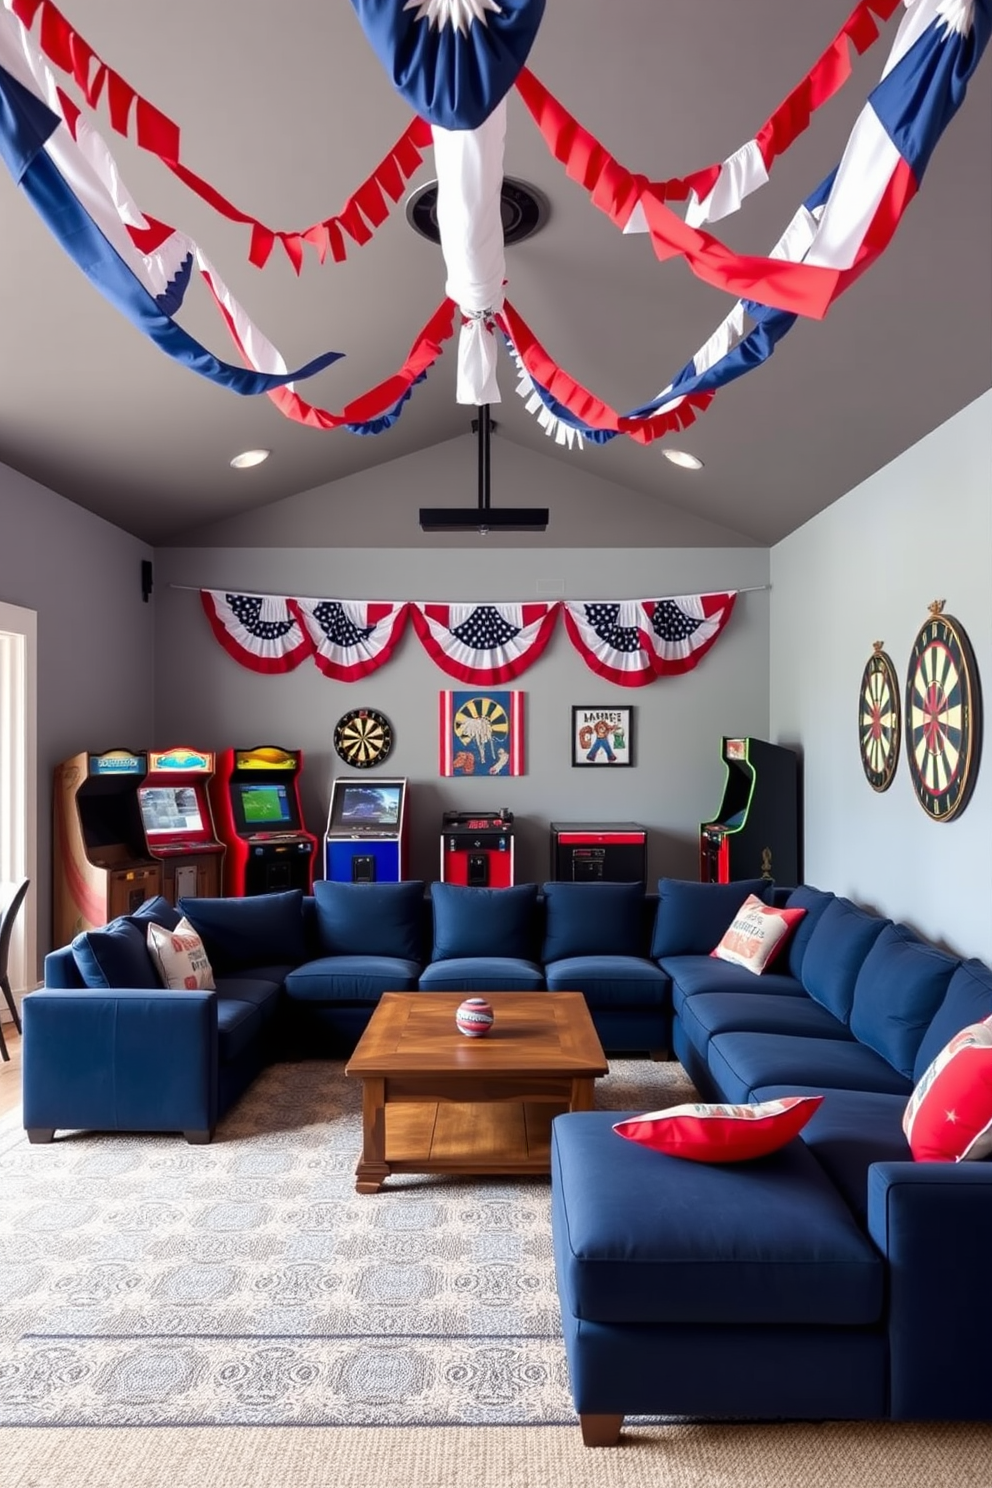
(757, 933)
(721, 1133)
(180, 958)
(949, 1115)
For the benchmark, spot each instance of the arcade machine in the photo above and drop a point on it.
(756, 834)
(586, 852)
(179, 829)
(102, 867)
(256, 801)
(366, 839)
(477, 849)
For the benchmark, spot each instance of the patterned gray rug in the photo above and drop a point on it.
(146, 1282)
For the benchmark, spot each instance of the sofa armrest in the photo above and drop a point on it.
(933, 1223)
(120, 1060)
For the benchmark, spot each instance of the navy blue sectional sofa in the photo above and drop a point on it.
(107, 1048)
(834, 1278)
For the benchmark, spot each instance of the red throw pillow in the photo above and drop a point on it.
(757, 933)
(949, 1115)
(719, 1133)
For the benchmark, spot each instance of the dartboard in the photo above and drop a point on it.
(943, 716)
(363, 737)
(879, 720)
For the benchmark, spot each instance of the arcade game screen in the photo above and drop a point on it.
(169, 809)
(265, 806)
(367, 806)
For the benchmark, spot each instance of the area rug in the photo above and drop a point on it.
(144, 1282)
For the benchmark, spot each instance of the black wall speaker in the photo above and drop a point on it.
(146, 578)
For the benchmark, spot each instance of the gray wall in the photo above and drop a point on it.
(96, 683)
(866, 569)
(207, 699)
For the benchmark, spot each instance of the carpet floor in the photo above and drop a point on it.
(144, 1282)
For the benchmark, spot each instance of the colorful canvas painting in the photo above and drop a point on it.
(482, 733)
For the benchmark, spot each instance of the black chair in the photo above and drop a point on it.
(7, 917)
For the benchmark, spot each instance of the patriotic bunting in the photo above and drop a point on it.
(633, 641)
(351, 638)
(455, 61)
(487, 643)
(629, 641)
(258, 630)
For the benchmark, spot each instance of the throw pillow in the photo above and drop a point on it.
(259, 930)
(159, 911)
(593, 919)
(115, 956)
(181, 960)
(484, 922)
(370, 919)
(691, 916)
(721, 1133)
(949, 1115)
(757, 934)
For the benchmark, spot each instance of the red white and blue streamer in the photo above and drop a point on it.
(484, 644)
(260, 631)
(351, 638)
(631, 642)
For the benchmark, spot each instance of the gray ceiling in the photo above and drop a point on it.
(285, 109)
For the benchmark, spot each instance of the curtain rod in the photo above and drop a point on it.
(263, 594)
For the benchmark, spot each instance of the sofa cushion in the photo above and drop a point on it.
(242, 933)
(720, 1133)
(374, 919)
(351, 978)
(695, 976)
(756, 935)
(180, 958)
(484, 922)
(115, 956)
(814, 902)
(157, 911)
(843, 936)
(610, 981)
(482, 974)
(239, 1024)
(949, 1115)
(851, 1130)
(643, 1238)
(710, 1013)
(968, 999)
(741, 1062)
(691, 917)
(592, 919)
(258, 991)
(900, 986)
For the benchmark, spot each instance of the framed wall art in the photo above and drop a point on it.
(602, 736)
(482, 733)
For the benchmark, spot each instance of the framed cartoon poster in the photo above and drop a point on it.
(482, 733)
(602, 736)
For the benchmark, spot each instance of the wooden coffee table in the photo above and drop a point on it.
(434, 1101)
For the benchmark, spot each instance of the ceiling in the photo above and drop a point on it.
(285, 109)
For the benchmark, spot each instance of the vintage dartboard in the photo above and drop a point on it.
(943, 716)
(363, 738)
(879, 720)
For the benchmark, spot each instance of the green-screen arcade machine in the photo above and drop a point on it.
(256, 801)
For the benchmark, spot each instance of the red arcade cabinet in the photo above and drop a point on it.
(756, 834)
(256, 800)
(178, 825)
(477, 849)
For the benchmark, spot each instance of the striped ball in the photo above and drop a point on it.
(474, 1017)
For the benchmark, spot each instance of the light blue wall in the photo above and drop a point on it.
(864, 570)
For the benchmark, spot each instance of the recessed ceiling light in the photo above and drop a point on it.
(683, 458)
(248, 458)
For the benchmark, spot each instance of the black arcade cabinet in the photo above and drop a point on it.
(592, 852)
(756, 833)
